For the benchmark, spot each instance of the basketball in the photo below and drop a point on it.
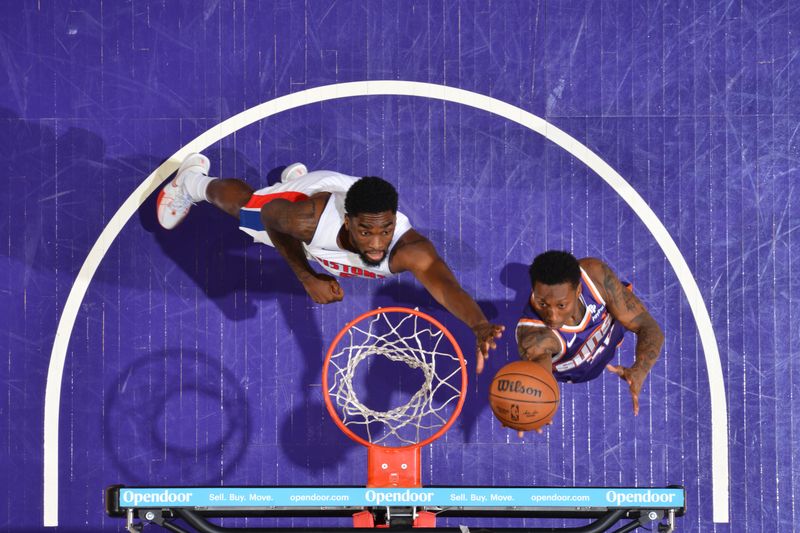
(524, 396)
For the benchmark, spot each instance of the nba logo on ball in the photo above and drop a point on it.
(524, 396)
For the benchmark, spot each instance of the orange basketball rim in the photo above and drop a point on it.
(429, 350)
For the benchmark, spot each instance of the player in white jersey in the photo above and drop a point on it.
(348, 225)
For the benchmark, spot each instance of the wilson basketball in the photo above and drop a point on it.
(524, 396)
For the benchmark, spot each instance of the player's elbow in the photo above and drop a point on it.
(652, 331)
(268, 215)
(659, 333)
(273, 216)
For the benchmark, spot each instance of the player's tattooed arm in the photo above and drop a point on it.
(629, 311)
(538, 345)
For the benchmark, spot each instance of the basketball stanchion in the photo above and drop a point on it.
(414, 343)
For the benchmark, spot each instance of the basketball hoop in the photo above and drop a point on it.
(413, 348)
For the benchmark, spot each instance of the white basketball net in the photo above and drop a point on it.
(404, 338)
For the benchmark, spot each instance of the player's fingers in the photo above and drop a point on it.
(615, 369)
(483, 348)
(635, 397)
(332, 296)
(521, 434)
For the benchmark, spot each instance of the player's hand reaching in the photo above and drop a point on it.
(521, 434)
(322, 288)
(485, 335)
(634, 377)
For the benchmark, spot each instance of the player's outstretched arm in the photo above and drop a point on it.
(537, 345)
(629, 311)
(288, 225)
(417, 254)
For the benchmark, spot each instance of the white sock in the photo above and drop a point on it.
(196, 185)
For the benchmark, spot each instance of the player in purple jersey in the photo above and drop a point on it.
(576, 317)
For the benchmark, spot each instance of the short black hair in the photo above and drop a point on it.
(370, 194)
(555, 267)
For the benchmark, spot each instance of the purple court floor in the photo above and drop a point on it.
(661, 137)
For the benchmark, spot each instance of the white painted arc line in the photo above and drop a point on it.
(386, 88)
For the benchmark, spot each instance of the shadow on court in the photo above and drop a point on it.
(239, 277)
(173, 417)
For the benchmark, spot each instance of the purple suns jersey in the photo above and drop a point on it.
(587, 347)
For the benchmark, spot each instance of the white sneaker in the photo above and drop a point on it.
(293, 171)
(174, 201)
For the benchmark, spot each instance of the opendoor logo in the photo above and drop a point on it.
(406, 496)
(623, 498)
(166, 496)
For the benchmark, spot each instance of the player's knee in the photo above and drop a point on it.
(230, 195)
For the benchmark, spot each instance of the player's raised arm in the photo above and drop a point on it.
(537, 345)
(629, 311)
(417, 254)
(288, 225)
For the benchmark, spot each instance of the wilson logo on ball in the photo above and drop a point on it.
(507, 385)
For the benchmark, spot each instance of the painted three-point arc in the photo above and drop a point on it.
(719, 409)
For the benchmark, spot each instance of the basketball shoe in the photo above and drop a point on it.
(293, 171)
(174, 200)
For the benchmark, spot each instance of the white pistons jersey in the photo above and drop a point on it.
(323, 247)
